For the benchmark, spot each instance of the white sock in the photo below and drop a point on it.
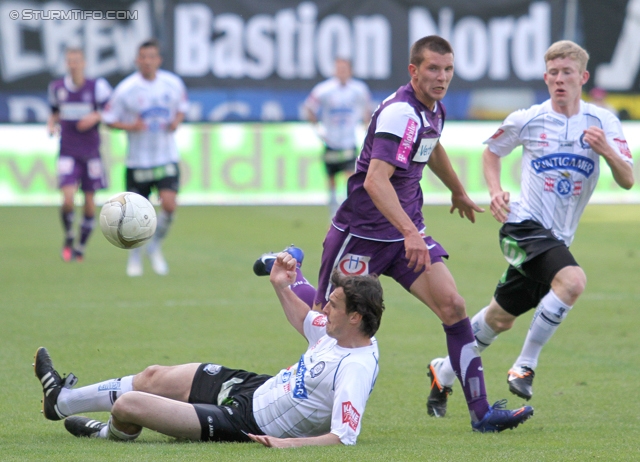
(97, 397)
(484, 334)
(546, 320)
(114, 434)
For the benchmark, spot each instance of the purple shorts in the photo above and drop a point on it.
(355, 255)
(86, 172)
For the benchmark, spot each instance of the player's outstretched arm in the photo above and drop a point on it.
(440, 165)
(283, 274)
(273, 442)
(621, 170)
(499, 198)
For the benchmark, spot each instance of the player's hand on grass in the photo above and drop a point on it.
(500, 206)
(466, 207)
(417, 253)
(270, 441)
(283, 273)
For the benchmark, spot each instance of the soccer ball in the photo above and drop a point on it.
(128, 220)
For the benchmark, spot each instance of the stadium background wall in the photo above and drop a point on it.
(251, 163)
(256, 61)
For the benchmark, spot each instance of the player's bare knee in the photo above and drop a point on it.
(452, 309)
(144, 381)
(572, 281)
(124, 409)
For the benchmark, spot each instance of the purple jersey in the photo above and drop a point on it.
(403, 132)
(72, 104)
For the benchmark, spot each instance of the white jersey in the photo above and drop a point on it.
(155, 102)
(326, 391)
(340, 109)
(559, 170)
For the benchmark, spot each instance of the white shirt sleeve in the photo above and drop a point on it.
(615, 137)
(314, 326)
(103, 91)
(507, 137)
(115, 110)
(352, 389)
(396, 119)
(314, 100)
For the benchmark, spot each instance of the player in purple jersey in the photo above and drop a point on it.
(75, 102)
(563, 140)
(379, 229)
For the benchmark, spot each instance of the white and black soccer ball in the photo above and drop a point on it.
(128, 220)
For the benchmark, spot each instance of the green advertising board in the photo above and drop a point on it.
(258, 164)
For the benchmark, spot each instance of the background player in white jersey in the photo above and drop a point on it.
(149, 105)
(75, 104)
(563, 140)
(319, 400)
(337, 106)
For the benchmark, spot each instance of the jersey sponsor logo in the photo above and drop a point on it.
(623, 147)
(300, 390)
(317, 369)
(543, 136)
(564, 161)
(497, 134)
(406, 143)
(212, 369)
(352, 264)
(566, 144)
(319, 321)
(350, 415)
(548, 184)
(554, 120)
(425, 149)
(564, 187)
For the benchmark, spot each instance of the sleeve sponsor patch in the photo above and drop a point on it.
(319, 321)
(350, 415)
(497, 134)
(406, 143)
(623, 147)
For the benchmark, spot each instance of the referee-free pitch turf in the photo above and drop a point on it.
(98, 324)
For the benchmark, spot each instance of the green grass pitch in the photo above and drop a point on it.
(99, 324)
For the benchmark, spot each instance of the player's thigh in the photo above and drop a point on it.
(173, 382)
(437, 289)
(158, 413)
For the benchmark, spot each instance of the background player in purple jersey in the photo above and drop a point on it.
(563, 140)
(75, 102)
(379, 229)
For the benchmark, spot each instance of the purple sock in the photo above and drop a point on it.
(305, 291)
(85, 230)
(67, 225)
(466, 362)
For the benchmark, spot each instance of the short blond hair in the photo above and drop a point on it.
(568, 49)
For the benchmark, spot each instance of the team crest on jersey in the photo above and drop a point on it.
(564, 161)
(583, 143)
(62, 94)
(623, 147)
(319, 321)
(350, 415)
(317, 369)
(354, 265)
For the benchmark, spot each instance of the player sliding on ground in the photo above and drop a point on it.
(319, 400)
